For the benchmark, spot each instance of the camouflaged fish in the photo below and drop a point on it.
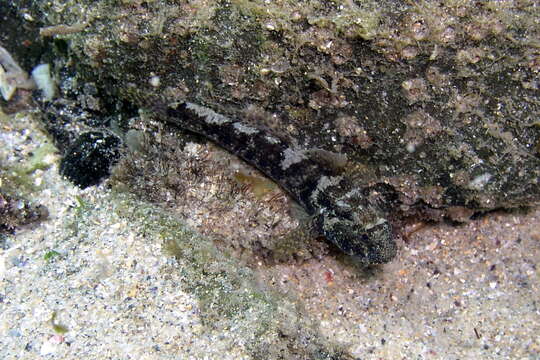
(340, 211)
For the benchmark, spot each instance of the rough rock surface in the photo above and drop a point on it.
(439, 100)
(107, 275)
(436, 102)
(442, 94)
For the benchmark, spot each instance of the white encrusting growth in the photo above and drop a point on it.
(155, 81)
(209, 115)
(480, 181)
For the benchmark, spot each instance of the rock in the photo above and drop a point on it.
(89, 158)
(437, 104)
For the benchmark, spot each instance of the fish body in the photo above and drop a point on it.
(341, 212)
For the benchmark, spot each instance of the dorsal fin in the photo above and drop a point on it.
(335, 162)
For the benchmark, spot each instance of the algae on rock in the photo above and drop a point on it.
(429, 98)
(228, 293)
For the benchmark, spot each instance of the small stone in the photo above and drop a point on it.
(88, 160)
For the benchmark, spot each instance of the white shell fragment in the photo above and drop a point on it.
(6, 89)
(12, 76)
(42, 76)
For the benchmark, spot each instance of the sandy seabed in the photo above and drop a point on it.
(87, 283)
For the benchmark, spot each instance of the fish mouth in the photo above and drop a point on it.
(373, 244)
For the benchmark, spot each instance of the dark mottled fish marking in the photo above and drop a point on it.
(341, 212)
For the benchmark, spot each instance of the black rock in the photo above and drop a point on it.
(89, 159)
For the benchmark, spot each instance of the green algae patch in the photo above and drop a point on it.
(227, 291)
(40, 158)
(79, 223)
(222, 286)
(57, 327)
(51, 255)
(16, 182)
(19, 177)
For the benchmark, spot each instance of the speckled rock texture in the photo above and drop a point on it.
(107, 275)
(435, 103)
